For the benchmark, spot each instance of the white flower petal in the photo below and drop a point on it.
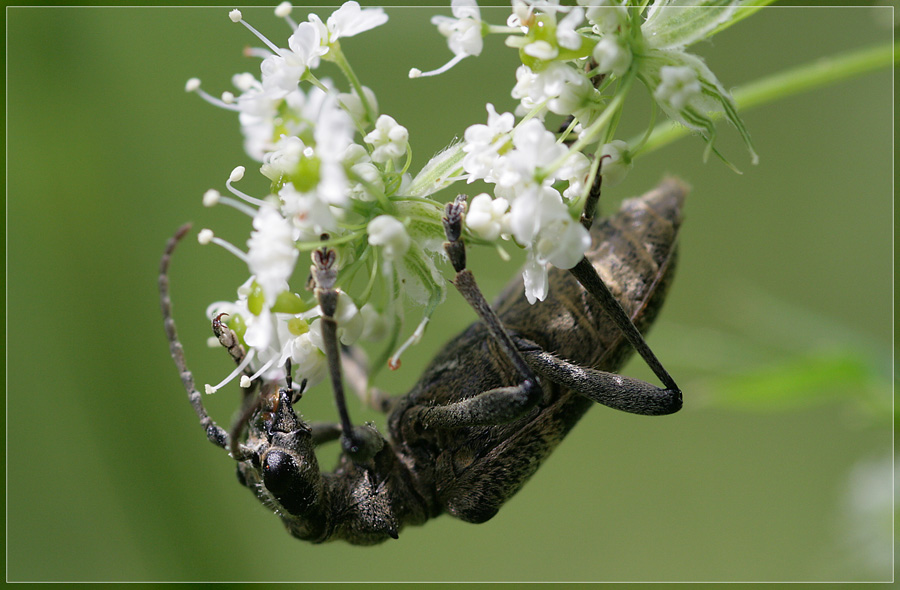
(272, 254)
(535, 278)
(350, 20)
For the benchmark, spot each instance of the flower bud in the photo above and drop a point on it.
(612, 55)
(616, 162)
(388, 232)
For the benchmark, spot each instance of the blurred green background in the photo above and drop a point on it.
(779, 325)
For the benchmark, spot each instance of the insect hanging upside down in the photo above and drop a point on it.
(488, 410)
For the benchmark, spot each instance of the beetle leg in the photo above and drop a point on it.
(590, 204)
(587, 275)
(323, 432)
(214, 432)
(610, 389)
(493, 406)
(358, 443)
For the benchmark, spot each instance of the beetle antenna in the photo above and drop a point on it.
(238, 428)
(214, 432)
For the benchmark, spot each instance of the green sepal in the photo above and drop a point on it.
(256, 299)
(288, 302)
(306, 177)
(236, 324)
(297, 327)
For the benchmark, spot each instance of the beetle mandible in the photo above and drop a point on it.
(490, 407)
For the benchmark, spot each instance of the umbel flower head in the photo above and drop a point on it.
(338, 170)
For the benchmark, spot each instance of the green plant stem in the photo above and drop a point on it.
(591, 134)
(350, 237)
(344, 65)
(793, 81)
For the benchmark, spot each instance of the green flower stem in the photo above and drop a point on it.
(409, 158)
(576, 206)
(424, 200)
(393, 293)
(787, 83)
(503, 30)
(309, 246)
(373, 275)
(592, 133)
(308, 76)
(341, 61)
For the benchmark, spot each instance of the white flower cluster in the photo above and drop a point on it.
(329, 186)
(572, 56)
(338, 169)
(527, 208)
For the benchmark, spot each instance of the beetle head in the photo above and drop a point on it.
(279, 463)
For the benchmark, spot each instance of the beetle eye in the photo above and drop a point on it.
(280, 472)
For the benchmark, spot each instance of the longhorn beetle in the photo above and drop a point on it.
(490, 407)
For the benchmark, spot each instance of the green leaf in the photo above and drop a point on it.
(423, 222)
(438, 173)
(801, 381)
(781, 85)
(420, 279)
(678, 23)
(701, 111)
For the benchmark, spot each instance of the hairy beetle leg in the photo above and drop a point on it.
(323, 432)
(587, 275)
(361, 443)
(494, 406)
(610, 389)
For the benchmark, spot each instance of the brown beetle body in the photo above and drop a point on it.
(432, 463)
(474, 470)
